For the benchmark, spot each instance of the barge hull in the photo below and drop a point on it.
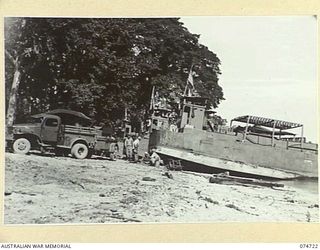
(205, 164)
(208, 152)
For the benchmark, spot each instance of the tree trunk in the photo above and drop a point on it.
(12, 105)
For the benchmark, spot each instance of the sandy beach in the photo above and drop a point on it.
(60, 190)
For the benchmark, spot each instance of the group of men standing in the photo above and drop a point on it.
(131, 148)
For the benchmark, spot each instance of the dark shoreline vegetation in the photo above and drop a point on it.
(102, 66)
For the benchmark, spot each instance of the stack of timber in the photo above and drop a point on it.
(226, 179)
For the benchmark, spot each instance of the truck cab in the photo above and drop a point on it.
(42, 130)
(50, 129)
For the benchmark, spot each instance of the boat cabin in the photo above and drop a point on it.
(193, 112)
(160, 118)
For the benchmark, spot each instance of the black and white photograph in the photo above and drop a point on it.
(190, 119)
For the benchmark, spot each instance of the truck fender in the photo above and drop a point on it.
(34, 139)
(79, 140)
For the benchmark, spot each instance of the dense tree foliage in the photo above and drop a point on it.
(102, 66)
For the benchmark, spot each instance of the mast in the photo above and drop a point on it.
(152, 99)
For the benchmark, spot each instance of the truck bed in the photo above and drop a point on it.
(87, 131)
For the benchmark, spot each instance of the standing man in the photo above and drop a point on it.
(129, 147)
(136, 149)
(148, 125)
(124, 150)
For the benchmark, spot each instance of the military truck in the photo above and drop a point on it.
(47, 132)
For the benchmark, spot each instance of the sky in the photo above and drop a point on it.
(268, 66)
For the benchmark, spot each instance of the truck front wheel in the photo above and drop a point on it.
(21, 146)
(79, 151)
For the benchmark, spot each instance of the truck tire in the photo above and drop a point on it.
(21, 146)
(79, 151)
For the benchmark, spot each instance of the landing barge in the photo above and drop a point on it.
(263, 147)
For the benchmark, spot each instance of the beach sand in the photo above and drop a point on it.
(60, 190)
